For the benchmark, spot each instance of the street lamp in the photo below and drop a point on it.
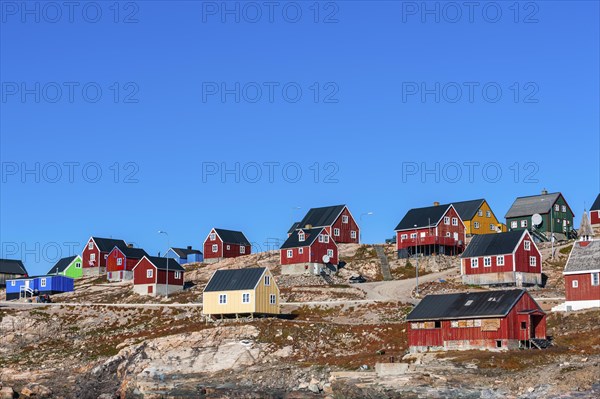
(417, 259)
(168, 247)
(361, 216)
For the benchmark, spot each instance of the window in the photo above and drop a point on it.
(222, 299)
(404, 236)
(523, 325)
(474, 263)
(498, 343)
(106, 256)
(325, 238)
(500, 260)
(213, 236)
(290, 253)
(336, 232)
(245, 298)
(78, 265)
(149, 273)
(422, 234)
(513, 224)
(42, 282)
(267, 280)
(476, 225)
(454, 221)
(242, 249)
(454, 324)
(480, 213)
(272, 299)
(300, 251)
(437, 324)
(330, 253)
(523, 223)
(595, 279)
(12, 283)
(92, 257)
(488, 214)
(344, 219)
(446, 220)
(527, 245)
(119, 261)
(492, 227)
(215, 248)
(564, 208)
(413, 235)
(177, 275)
(301, 236)
(353, 234)
(228, 247)
(574, 283)
(556, 207)
(90, 245)
(487, 261)
(448, 234)
(532, 261)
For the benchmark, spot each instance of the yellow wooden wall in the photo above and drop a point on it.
(263, 293)
(484, 221)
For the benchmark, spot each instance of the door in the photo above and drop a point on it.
(150, 289)
(455, 236)
(26, 283)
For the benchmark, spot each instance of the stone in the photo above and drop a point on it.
(327, 389)
(7, 393)
(303, 385)
(313, 388)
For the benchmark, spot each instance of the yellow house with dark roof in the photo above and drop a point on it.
(478, 217)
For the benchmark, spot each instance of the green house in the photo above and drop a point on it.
(543, 215)
(69, 267)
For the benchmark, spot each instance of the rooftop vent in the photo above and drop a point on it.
(189, 247)
(544, 191)
(436, 203)
(469, 302)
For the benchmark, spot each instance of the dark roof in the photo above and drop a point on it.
(12, 266)
(310, 235)
(161, 263)
(232, 236)
(294, 227)
(596, 204)
(582, 259)
(234, 279)
(454, 306)
(107, 244)
(525, 206)
(467, 209)
(321, 217)
(133, 253)
(62, 265)
(184, 252)
(493, 244)
(422, 217)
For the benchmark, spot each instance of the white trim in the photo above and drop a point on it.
(224, 296)
(272, 299)
(487, 258)
(290, 253)
(244, 294)
(581, 272)
(574, 283)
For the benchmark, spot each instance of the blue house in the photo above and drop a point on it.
(184, 255)
(38, 285)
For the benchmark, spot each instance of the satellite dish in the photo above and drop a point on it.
(536, 219)
(326, 259)
(498, 229)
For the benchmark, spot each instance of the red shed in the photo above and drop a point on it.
(502, 258)
(336, 220)
(221, 243)
(150, 276)
(430, 230)
(95, 253)
(121, 261)
(494, 320)
(595, 212)
(305, 249)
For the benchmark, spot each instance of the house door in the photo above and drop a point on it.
(455, 236)
(120, 275)
(534, 322)
(150, 289)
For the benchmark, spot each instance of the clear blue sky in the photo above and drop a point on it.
(375, 112)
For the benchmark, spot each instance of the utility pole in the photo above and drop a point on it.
(417, 260)
(167, 276)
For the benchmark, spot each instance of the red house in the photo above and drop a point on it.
(151, 273)
(95, 254)
(502, 258)
(336, 220)
(308, 251)
(430, 230)
(221, 243)
(121, 261)
(492, 320)
(595, 212)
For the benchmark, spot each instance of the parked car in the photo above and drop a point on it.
(357, 279)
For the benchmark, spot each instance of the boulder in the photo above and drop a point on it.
(7, 393)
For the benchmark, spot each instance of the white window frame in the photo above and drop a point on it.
(454, 221)
(273, 299)
(43, 282)
(488, 214)
(403, 236)
(330, 253)
(476, 225)
(212, 236)
(215, 248)
(93, 257)
(564, 208)
(267, 280)
(222, 299)
(177, 275)
(532, 261)
(557, 208)
(523, 223)
(228, 247)
(290, 253)
(300, 250)
(242, 249)
(119, 261)
(447, 220)
(527, 245)
(422, 234)
(13, 283)
(500, 260)
(487, 261)
(514, 224)
(91, 245)
(474, 263)
(150, 273)
(597, 278)
(574, 283)
(413, 235)
(336, 232)
(353, 234)
(448, 234)
(345, 218)
(301, 236)
(492, 227)
(480, 213)
(245, 297)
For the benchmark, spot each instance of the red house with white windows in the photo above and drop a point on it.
(157, 276)
(489, 320)
(121, 261)
(336, 220)
(95, 254)
(308, 251)
(221, 243)
(595, 212)
(436, 229)
(510, 258)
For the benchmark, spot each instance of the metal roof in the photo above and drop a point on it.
(107, 244)
(12, 266)
(184, 252)
(310, 235)
(294, 227)
(525, 206)
(232, 236)
(422, 217)
(493, 244)
(322, 217)
(584, 258)
(467, 209)
(161, 263)
(466, 305)
(62, 265)
(133, 253)
(596, 204)
(234, 279)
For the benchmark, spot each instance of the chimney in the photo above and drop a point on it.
(544, 191)
(189, 247)
(308, 226)
(129, 245)
(436, 203)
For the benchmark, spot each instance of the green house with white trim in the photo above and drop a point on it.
(69, 267)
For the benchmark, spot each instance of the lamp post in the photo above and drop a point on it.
(360, 218)
(167, 275)
(417, 259)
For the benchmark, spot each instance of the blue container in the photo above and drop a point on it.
(42, 284)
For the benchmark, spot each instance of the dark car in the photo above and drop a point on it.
(357, 279)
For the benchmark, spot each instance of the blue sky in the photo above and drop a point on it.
(369, 94)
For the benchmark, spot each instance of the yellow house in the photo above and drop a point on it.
(241, 292)
(478, 217)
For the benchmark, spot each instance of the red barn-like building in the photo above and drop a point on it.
(221, 243)
(95, 254)
(492, 320)
(336, 220)
(430, 230)
(121, 261)
(595, 212)
(150, 276)
(304, 250)
(502, 258)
